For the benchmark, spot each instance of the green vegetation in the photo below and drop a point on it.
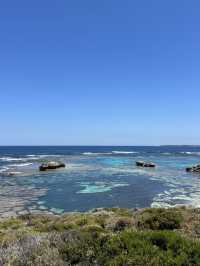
(110, 237)
(160, 219)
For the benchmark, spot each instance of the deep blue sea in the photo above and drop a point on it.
(96, 177)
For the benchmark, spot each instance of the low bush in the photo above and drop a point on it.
(160, 219)
(122, 223)
(11, 223)
(111, 241)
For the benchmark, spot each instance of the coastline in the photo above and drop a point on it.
(106, 236)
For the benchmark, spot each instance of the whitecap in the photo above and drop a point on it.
(97, 153)
(10, 159)
(110, 153)
(124, 152)
(191, 153)
(48, 155)
(20, 165)
(4, 169)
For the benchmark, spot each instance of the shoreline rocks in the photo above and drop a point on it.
(145, 164)
(51, 166)
(193, 169)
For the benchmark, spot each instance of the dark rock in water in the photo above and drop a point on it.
(51, 166)
(194, 169)
(145, 164)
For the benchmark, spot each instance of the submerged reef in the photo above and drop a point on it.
(106, 236)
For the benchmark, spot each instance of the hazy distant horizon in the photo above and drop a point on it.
(65, 145)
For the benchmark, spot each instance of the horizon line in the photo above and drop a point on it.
(96, 145)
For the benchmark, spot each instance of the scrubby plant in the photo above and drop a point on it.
(82, 221)
(94, 230)
(122, 223)
(101, 220)
(11, 223)
(104, 240)
(160, 219)
(121, 211)
(150, 248)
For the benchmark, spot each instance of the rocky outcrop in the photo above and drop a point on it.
(194, 169)
(51, 166)
(145, 164)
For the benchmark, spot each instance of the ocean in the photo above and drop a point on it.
(96, 177)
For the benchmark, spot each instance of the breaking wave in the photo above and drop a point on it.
(4, 169)
(10, 159)
(110, 153)
(97, 153)
(20, 165)
(191, 153)
(124, 152)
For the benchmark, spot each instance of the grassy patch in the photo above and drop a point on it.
(11, 223)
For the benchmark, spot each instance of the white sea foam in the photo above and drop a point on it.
(4, 169)
(195, 153)
(47, 155)
(29, 157)
(190, 153)
(10, 159)
(181, 190)
(20, 164)
(97, 153)
(110, 153)
(124, 152)
(32, 157)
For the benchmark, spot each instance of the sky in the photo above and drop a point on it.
(103, 72)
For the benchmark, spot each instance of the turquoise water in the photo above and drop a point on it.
(96, 177)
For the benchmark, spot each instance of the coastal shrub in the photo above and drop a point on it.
(75, 251)
(57, 226)
(96, 242)
(11, 223)
(30, 251)
(160, 219)
(196, 229)
(101, 220)
(120, 211)
(82, 221)
(122, 223)
(150, 248)
(94, 230)
(60, 226)
(41, 223)
(6, 238)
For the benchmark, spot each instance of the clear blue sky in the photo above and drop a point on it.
(99, 72)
